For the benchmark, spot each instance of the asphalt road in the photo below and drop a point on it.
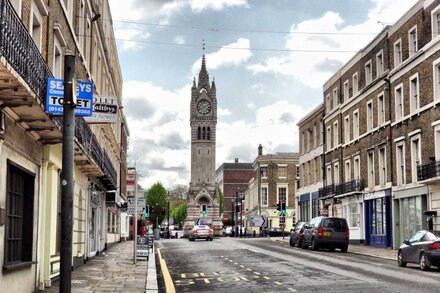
(262, 265)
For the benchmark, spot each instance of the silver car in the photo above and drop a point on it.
(201, 232)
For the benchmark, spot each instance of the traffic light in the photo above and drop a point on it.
(147, 211)
(203, 209)
(283, 207)
(151, 210)
(278, 206)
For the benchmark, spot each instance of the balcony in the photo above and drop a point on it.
(23, 78)
(110, 176)
(353, 186)
(430, 171)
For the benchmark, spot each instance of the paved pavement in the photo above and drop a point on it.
(114, 271)
(263, 265)
(384, 253)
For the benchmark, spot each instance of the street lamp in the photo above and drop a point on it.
(236, 213)
(168, 200)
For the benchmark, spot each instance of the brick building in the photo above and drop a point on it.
(380, 119)
(35, 37)
(310, 165)
(274, 179)
(233, 179)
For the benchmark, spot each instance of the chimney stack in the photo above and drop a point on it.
(260, 150)
(236, 160)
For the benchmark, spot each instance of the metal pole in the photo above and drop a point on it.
(135, 217)
(241, 218)
(169, 234)
(67, 183)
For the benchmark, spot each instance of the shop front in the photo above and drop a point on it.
(409, 206)
(352, 211)
(96, 222)
(377, 207)
(304, 207)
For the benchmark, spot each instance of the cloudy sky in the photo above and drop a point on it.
(269, 59)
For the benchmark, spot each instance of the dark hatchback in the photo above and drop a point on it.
(327, 232)
(423, 248)
(297, 234)
(273, 231)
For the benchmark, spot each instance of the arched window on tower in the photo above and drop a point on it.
(203, 133)
(199, 133)
(208, 133)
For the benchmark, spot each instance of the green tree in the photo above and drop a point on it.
(179, 214)
(156, 198)
(221, 200)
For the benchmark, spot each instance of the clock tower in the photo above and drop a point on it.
(202, 200)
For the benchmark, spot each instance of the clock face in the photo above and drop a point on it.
(203, 107)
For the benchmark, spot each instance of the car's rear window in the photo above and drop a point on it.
(339, 225)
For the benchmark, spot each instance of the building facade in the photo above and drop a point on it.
(202, 197)
(233, 179)
(380, 133)
(30, 139)
(274, 180)
(310, 165)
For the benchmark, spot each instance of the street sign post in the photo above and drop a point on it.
(258, 221)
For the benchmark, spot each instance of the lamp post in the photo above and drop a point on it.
(241, 216)
(168, 200)
(236, 213)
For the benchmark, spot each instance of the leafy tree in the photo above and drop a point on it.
(179, 214)
(180, 191)
(221, 201)
(156, 198)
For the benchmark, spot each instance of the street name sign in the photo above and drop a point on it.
(55, 97)
(258, 221)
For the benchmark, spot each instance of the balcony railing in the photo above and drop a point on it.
(343, 188)
(110, 175)
(428, 171)
(20, 51)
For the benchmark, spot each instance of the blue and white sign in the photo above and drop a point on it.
(55, 97)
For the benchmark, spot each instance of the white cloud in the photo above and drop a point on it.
(314, 68)
(223, 112)
(179, 40)
(200, 5)
(128, 37)
(226, 57)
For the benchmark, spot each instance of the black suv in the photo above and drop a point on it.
(327, 232)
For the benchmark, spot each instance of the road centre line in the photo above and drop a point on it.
(291, 290)
(257, 273)
(242, 266)
(278, 283)
(166, 274)
(266, 277)
(250, 270)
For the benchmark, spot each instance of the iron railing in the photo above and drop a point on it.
(343, 188)
(326, 190)
(20, 51)
(428, 171)
(109, 170)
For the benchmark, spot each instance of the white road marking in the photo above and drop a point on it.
(250, 270)
(243, 278)
(257, 273)
(266, 277)
(278, 283)
(242, 266)
(291, 290)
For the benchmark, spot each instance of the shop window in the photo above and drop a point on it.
(353, 215)
(378, 219)
(19, 216)
(315, 208)
(305, 210)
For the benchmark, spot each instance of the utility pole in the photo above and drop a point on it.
(67, 184)
(135, 217)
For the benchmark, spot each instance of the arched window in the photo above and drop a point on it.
(199, 133)
(203, 133)
(208, 134)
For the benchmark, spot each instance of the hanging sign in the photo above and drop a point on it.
(55, 97)
(104, 110)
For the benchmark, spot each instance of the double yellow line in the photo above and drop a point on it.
(169, 285)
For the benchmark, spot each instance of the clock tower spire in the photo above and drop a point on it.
(202, 200)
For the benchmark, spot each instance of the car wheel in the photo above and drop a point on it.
(303, 244)
(400, 261)
(211, 239)
(344, 249)
(291, 242)
(314, 245)
(332, 249)
(423, 262)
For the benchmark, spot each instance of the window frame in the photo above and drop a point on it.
(370, 169)
(346, 92)
(381, 115)
(410, 42)
(347, 132)
(336, 173)
(383, 165)
(436, 78)
(335, 134)
(368, 72)
(414, 165)
(335, 98)
(397, 53)
(356, 169)
(264, 187)
(399, 88)
(411, 92)
(347, 170)
(356, 124)
(355, 81)
(401, 163)
(379, 61)
(435, 27)
(329, 138)
(370, 115)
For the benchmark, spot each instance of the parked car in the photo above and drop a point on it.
(297, 234)
(228, 231)
(422, 248)
(327, 232)
(201, 232)
(274, 231)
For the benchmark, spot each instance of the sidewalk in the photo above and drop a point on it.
(384, 253)
(114, 271)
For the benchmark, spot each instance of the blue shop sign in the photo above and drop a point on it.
(315, 195)
(55, 97)
(304, 197)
